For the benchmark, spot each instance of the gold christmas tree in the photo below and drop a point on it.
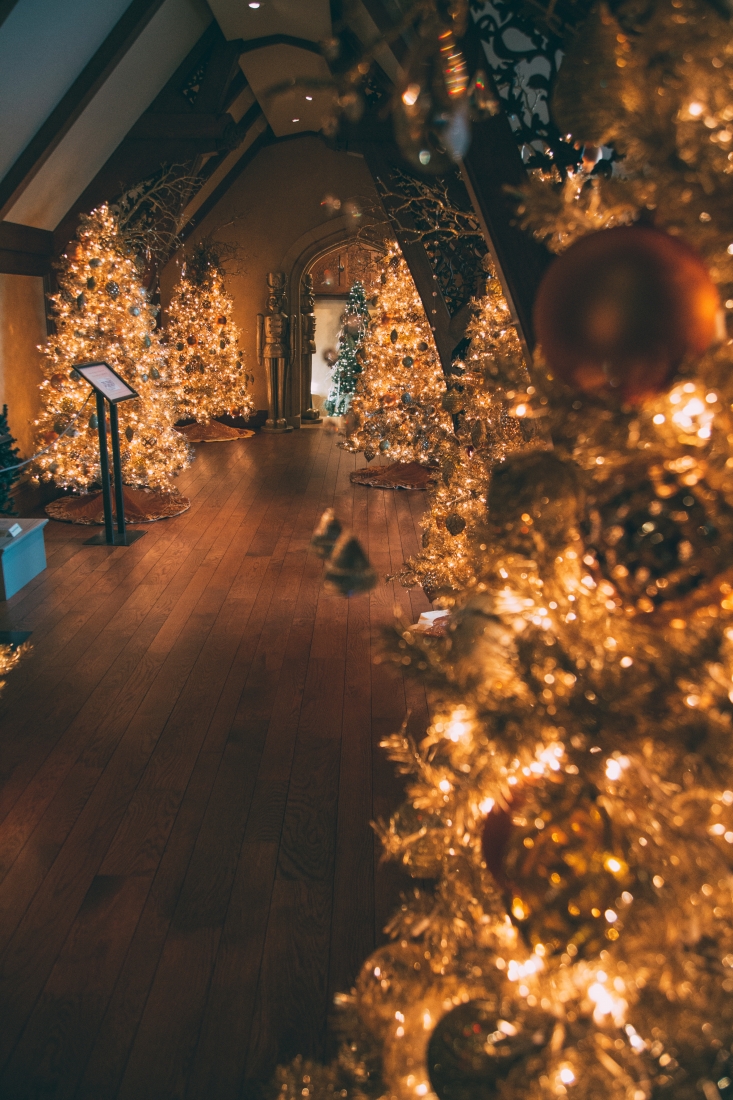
(399, 408)
(207, 375)
(489, 423)
(572, 801)
(102, 312)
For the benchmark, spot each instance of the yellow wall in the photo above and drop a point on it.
(273, 212)
(22, 328)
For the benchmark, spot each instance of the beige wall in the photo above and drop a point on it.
(22, 328)
(273, 212)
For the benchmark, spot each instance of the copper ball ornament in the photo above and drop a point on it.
(619, 311)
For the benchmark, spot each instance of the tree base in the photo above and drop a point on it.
(399, 475)
(213, 432)
(141, 506)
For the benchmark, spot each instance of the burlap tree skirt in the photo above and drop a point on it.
(213, 432)
(141, 506)
(400, 475)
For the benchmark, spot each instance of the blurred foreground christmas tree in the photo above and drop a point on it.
(399, 405)
(347, 367)
(9, 657)
(102, 312)
(572, 802)
(207, 375)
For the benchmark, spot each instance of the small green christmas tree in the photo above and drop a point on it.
(347, 368)
(8, 457)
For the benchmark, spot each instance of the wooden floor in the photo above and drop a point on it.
(189, 763)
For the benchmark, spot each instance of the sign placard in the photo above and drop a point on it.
(106, 381)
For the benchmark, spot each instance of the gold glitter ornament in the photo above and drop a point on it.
(588, 92)
(472, 1048)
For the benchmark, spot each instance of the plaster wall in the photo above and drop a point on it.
(22, 328)
(273, 211)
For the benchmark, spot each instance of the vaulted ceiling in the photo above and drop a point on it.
(95, 95)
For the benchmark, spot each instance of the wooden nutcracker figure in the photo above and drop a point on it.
(273, 351)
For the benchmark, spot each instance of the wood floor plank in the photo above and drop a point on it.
(188, 770)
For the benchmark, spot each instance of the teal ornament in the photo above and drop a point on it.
(91, 282)
(113, 289)
(406, 398)
(222, 344)
(146, 341)
(75, 375)
(135, 311)
(407, 361)
(422, 346)
(59, 427)
(93, 422)
(180, 347)
(53, 467)
(95, 262)
(384, 445)
(80, 302)
(129, 434)
(144, 377)
(393, 335)
(155, 373)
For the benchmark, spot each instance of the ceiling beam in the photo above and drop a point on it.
(6, 6)
(79, 95)
(490, 168)
(24, 250)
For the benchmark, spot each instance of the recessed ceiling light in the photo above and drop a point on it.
(254, 3)
(309, 98)
(296, 120)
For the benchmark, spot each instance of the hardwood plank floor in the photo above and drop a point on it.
(189, 763)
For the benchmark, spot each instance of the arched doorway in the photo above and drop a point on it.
(332, 255)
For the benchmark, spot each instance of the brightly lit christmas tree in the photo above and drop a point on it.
(102, 312)
(9, 657)
(484, 390)
(572, 802)
(347, 368)
(399, 405)
(207, 373)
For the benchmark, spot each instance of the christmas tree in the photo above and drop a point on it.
(485, 389)
(102, 312)
(347, 367)
(207, 375)
(9, 657)
(9, 456)
(401, 405)
(572, 802)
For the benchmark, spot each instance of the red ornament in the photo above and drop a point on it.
(57, 381)
(222, 320)
(621, 309)
(191, 340)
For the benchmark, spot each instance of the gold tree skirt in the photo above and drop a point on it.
(400, 475)
(213, 432)
(141, 506)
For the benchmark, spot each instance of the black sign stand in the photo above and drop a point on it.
(120, 537)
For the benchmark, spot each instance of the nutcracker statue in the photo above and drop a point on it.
(273, 351)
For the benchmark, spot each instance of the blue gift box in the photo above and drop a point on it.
(22, 557)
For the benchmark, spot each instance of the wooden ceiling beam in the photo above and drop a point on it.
(24, 250)
(82, 91)
(6, 6)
